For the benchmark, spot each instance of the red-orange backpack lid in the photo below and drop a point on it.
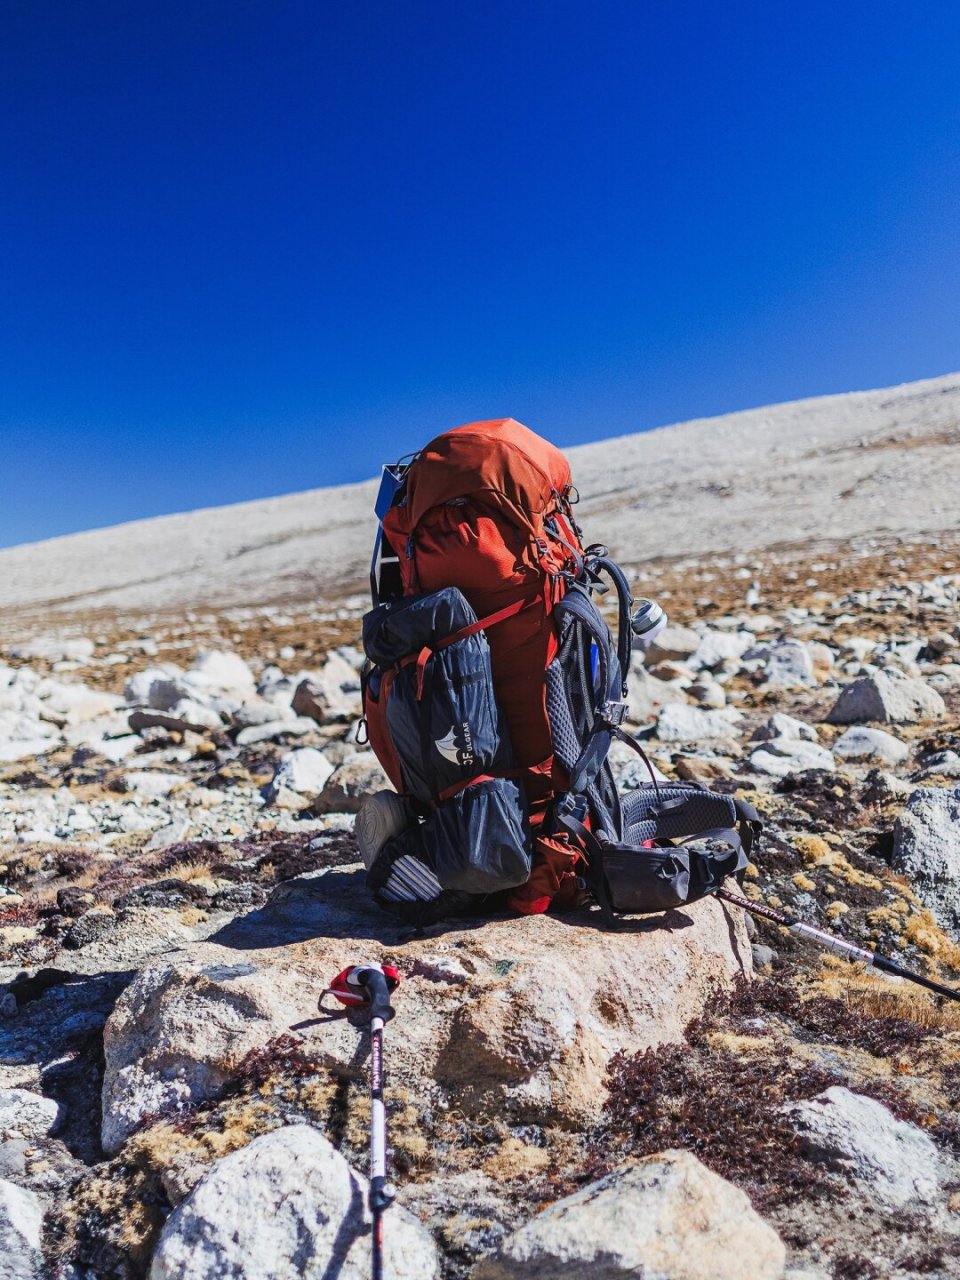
(500, 456)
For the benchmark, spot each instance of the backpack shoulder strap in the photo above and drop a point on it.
(597, 561)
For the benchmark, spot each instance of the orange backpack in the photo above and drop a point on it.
(487, 508)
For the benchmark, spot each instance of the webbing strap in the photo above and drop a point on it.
(634, 745)
(726, 835)
(482, 624)
(448, 792)
(490, 620)
(566, 815)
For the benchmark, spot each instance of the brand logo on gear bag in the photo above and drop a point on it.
(457, 746)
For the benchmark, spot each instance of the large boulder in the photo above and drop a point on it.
(888, 1160)
(666, 1218)
(21, 1220)
(517, 1017)
(288, 1204)
(926, 849)
(178, 1033)
(887, 697)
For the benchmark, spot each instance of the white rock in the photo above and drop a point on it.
(888, 697)
(672, 644)
(80, 819)
(194, 715)
(926, 849)
(286, 1205)
(117, 749)
(708, 693)
(152, 785)
(304, 771)
(787, 664)
(332, 693)
(136, 689)
(822, 656)
(870, 744)
(349, 785)
(224, 671)
(780, 725)
(680, 723)
(259, 711)
(132, 820)
(52, 649)
(87, 733)
(27, 1115)
(859, 646)
(666, 1217)
(719, 647)
(648, 695)
(757, 623)
(20, 726)
(75, 702)
(23, 748)
(295, 728)
(173, 833)
(887, 1159)
(782, 756)
(21, 1223)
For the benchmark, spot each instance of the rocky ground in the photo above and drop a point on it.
(178, 878)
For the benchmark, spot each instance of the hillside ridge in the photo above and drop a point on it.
(882, 461)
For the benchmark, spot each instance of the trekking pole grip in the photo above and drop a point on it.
(378, 992)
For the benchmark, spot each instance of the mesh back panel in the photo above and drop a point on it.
(566, 743)
(700, 810)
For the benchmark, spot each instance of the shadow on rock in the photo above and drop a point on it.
(63, 1036)
(332, 904)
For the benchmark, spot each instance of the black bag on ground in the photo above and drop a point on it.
(678, 843)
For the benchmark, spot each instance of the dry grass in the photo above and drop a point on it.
(875, 996)
(817, 852)
(923, 932)
(191, 870)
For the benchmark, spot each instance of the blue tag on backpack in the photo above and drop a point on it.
(390, 482)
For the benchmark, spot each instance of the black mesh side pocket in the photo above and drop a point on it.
(478, 841)
(475, 844)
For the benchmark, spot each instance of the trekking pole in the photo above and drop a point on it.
(369, 986)
(839, 945)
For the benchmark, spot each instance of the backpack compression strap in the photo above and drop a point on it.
(482, 624)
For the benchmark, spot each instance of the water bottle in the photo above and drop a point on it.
(647, 623)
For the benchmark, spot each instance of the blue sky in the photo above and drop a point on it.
(248, 248)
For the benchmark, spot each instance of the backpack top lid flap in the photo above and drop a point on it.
(500, 456)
